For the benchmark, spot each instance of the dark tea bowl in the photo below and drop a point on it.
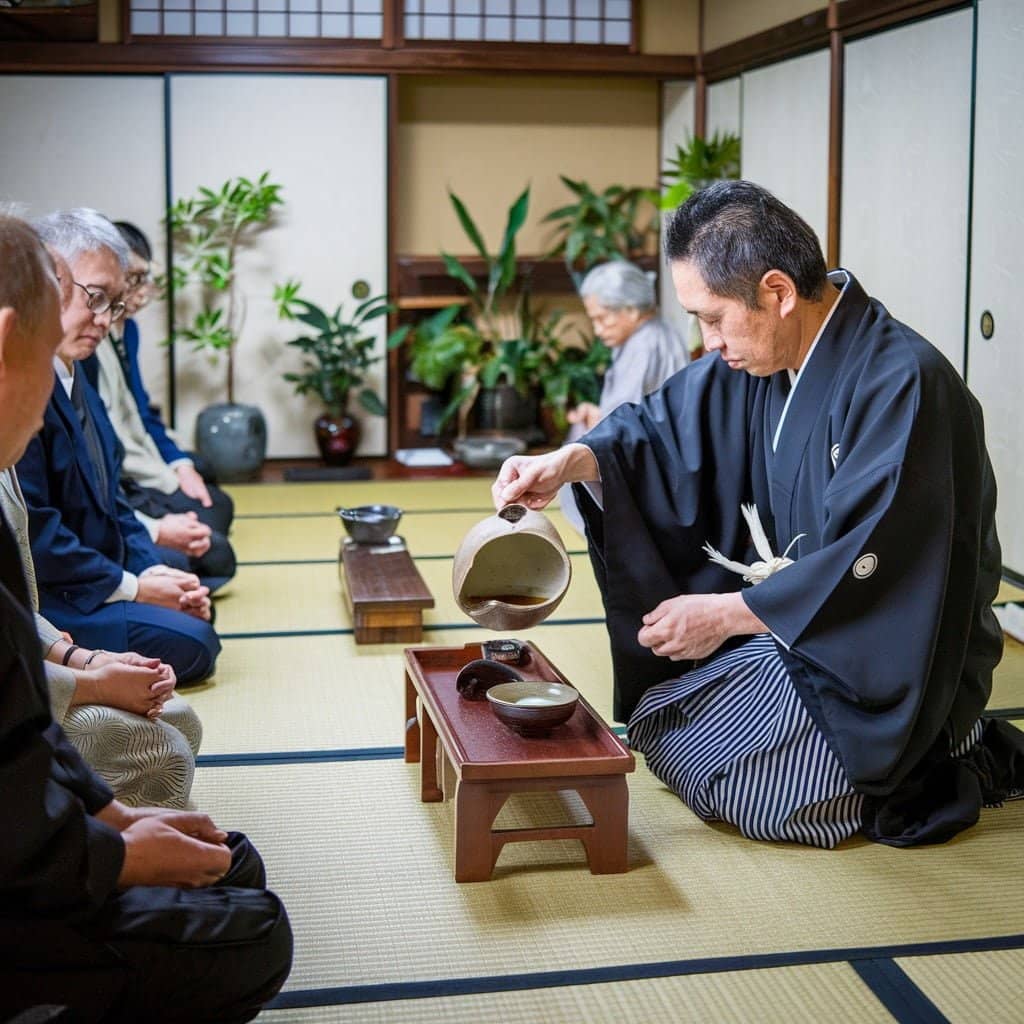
(477, 677)
(370, 524)
(532, 707)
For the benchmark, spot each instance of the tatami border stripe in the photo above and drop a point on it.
(438, 627)
(299, 757)
(897, 992)
(1003, 713)
(433, 988)
(314, 756)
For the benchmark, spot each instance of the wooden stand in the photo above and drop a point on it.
(464, 750)
(384, 591)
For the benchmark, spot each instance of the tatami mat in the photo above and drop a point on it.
(1009, 592)
(300, 499)
(365, 870)
(1008, 678)
(972, 987)
(329, 693)
(284, 538)
(277, 598)
(786, 995)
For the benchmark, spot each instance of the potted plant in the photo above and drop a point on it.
(569, 375)
(698, 163)
(337, 354)
(487, 349)
(618, 223)
(207, 231)
(496, 354)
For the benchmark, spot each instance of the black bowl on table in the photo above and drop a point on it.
(532, 707)
(370, 524)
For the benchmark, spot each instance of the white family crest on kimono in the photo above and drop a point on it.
(756, 571)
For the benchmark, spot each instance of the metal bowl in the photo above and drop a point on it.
(370, 524)
(487, 452)
(532, 707)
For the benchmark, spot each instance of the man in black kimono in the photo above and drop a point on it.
(844, 691)
(106, 912)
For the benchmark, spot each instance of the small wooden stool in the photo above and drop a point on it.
(463, 748)
(384, 591)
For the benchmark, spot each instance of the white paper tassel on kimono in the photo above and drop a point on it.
(757, 571)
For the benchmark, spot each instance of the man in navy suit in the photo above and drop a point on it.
(107, 912)
(100, 576)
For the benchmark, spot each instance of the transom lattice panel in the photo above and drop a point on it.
(599, 22)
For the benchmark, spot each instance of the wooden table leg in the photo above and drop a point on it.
(430, 792)
(607, 799)
(412, 724)
(476, 807)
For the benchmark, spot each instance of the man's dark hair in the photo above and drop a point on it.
(734, 232)
(135, 239)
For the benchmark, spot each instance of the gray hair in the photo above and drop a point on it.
(619, 285)
(74, 232)
(26, 271)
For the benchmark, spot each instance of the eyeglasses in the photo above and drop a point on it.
(98, 301)
(139, 278)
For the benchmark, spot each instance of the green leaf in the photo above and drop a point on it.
(507, 254)
(371, 402)
(469, 226)
(458, 271)
(398, 336)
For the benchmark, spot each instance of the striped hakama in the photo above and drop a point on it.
(733, 739)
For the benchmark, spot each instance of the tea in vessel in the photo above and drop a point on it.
(511, 570)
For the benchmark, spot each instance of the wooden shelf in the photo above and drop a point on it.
(426, 277)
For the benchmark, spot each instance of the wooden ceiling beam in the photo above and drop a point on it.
(330, 56)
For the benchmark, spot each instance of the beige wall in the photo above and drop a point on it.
(726, 21)
(669, 26)
(487, 137)
(109, 16)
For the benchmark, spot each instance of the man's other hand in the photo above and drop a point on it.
(693, 626)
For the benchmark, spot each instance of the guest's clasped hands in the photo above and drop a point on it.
(183, 532)
(191, 483)
(163, 847)
(128, 681)
(173, 588)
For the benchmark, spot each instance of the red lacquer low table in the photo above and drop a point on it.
(461, 743)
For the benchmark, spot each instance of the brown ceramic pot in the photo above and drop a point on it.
(511, 570)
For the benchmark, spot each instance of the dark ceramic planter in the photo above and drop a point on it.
(337, 437)
(504, 410)
(233, 439)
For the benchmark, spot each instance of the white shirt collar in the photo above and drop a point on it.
(795, 375)
(64, 375)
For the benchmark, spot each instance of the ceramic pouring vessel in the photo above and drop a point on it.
(511, 570)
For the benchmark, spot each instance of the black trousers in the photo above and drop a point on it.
(217, 566)
(157, 955)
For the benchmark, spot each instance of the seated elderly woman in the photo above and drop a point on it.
(646, 351)
(119, 709)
